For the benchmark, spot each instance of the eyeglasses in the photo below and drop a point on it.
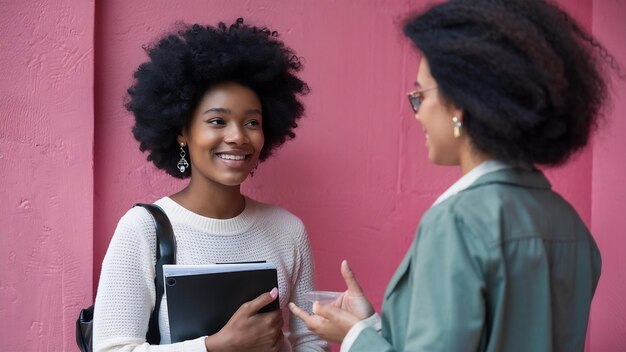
(416, 97)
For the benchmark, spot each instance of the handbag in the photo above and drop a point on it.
(165, 254)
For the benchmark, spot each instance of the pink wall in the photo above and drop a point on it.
(46, 140)
(357, 173)
(608, 315)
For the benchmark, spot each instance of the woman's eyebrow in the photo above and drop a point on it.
(253, 112)
(218, 110)
(228, 111)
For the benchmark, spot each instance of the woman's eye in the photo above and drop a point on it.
(216, 121)
(253, 123)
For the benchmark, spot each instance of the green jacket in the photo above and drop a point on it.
(504, 265)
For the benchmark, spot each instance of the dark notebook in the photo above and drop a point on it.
(202, 298)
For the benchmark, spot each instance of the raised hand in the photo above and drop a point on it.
(333, 321)
(353, 300)
(248, 330)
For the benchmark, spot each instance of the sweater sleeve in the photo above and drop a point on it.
(300, 337)
(126, 292)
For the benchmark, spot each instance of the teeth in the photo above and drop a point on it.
(231, 157)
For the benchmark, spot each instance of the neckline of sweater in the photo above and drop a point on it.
(236, 225)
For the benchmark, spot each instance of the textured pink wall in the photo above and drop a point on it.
(357, 173)
(608, 315)
(46, 140)
(342, 173)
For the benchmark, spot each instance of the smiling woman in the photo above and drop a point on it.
(209, 105)
(224, 136)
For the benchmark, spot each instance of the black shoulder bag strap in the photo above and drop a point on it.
(165, 254)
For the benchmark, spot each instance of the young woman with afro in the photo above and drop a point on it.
(209, 105)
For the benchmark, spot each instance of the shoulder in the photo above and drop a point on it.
(136, 225)
(134, 240)
(282, 225)
(136, 218)
(277, 215)
(473, 218)
(509, 206)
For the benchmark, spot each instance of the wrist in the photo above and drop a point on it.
(213, 343)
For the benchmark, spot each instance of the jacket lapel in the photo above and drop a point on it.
(400, 272)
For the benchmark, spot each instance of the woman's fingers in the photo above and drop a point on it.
(252, 307)
(331, 324)
(334, 314)
(348, 275)
(299, 312)
(312, 321)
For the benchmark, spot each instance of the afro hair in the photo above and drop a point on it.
(529, 80)
(182, 66)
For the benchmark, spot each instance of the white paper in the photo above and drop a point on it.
(174, 270)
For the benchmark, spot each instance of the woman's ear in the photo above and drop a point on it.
(181, 139)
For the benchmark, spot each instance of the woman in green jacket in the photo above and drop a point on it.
(500, 261)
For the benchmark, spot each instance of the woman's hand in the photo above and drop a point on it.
(248, 330)
(333, 321)
(353, 300)
(328, 322)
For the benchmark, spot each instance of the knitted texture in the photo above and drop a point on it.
(126, 293)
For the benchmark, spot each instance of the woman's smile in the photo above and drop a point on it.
(234, 159)
(225, 135)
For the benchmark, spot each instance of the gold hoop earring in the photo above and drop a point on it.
(457, 126)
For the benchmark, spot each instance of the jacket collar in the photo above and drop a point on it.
(469, 178)
(517, 177)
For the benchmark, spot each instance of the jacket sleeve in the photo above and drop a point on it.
(445, 304)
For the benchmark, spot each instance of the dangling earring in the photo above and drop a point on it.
(457, 126)
(182, 163)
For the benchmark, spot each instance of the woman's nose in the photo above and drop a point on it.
(236, 135)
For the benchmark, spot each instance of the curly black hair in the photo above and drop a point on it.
(182, 66)
(530, 81)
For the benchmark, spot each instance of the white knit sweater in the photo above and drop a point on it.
(126, 292)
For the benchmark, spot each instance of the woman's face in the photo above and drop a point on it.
(225, 134)
(435, 116)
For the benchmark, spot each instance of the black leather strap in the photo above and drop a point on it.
(165, 254)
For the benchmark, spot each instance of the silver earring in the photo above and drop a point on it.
(182, 163)
(457, 126)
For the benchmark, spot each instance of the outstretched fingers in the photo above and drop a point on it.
(335, 315)
(312, 321)
(319, 325)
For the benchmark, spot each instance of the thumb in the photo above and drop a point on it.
(354, 289)
(252, 307)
